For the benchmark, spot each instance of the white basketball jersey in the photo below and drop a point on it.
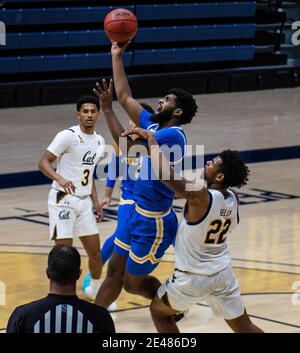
(202, 248)
(77, 155)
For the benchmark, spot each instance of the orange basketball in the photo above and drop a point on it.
(120, 25)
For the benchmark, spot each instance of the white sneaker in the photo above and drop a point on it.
(91, 292)
(113, 306)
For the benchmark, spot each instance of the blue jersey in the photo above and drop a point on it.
(126, 168)
(150, 193)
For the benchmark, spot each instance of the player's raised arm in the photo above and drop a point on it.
(105, 95)
(123, 91)
(161, 166)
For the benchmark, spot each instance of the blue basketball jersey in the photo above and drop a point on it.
(125, 168)
(149, 192)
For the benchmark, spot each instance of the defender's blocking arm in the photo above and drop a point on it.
(105, 95)
(182, 187)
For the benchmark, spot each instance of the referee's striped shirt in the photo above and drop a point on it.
(60, 314)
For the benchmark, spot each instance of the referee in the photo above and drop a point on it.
(61, 311)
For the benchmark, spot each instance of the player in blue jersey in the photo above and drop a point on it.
(152, 221)
(125, 168)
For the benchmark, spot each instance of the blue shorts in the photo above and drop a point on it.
(150, 234)
(122, 232)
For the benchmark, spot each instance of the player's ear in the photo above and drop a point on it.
(79, 274)
(177, 112)
(78, 114)
(219, 178)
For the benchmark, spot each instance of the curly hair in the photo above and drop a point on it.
(87, 99)
(186, 102)
(234, 169)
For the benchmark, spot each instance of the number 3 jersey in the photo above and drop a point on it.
(201, 247)
(77, 155)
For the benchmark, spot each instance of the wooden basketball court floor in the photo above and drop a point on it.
(265, 247)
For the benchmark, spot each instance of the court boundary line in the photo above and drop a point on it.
(267, 270)
(250, 268)
(165, 261)
(266, 262)
(262, 318)
(258, 261)
(207, 306)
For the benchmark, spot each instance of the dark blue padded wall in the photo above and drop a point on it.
(55, 49)
(169, 40)
(50, 39)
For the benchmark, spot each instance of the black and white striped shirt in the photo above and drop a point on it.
(60, 314)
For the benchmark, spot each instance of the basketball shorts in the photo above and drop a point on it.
(122, 233)
(221, 292)
(149, 236)
(70, 216)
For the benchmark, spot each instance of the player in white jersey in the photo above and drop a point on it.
(203, 268)
(73, 195)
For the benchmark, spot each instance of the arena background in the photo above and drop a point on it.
(240, 60)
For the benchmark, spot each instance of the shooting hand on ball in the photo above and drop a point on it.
(117, 49)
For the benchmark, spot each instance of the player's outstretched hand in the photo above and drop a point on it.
(117, 49)
(105, 94)
(67, 185)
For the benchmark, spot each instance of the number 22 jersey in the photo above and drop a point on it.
(201, 247)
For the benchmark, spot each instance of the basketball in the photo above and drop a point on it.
(120, 25)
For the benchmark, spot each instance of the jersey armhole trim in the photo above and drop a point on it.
(204, 216)
(238, 205)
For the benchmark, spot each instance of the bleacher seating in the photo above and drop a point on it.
(67, 62)
(51, 39)
(196, 10)
(143, 12)
(83, 39)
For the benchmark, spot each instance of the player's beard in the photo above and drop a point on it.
(161, 117)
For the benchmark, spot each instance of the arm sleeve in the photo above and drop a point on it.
(14, 323)
(144, 119)
(113, 171)
(60, 143)
(171, 140)
(109, 324)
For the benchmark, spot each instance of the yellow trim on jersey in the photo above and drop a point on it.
(151, 213)
(155, 245)
(121, 244)
(132, 160)
(125, 202)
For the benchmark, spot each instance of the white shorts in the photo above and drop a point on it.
(221, 291)
(70, 216)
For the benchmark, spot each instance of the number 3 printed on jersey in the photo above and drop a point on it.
(216, 232)
(85, 180)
